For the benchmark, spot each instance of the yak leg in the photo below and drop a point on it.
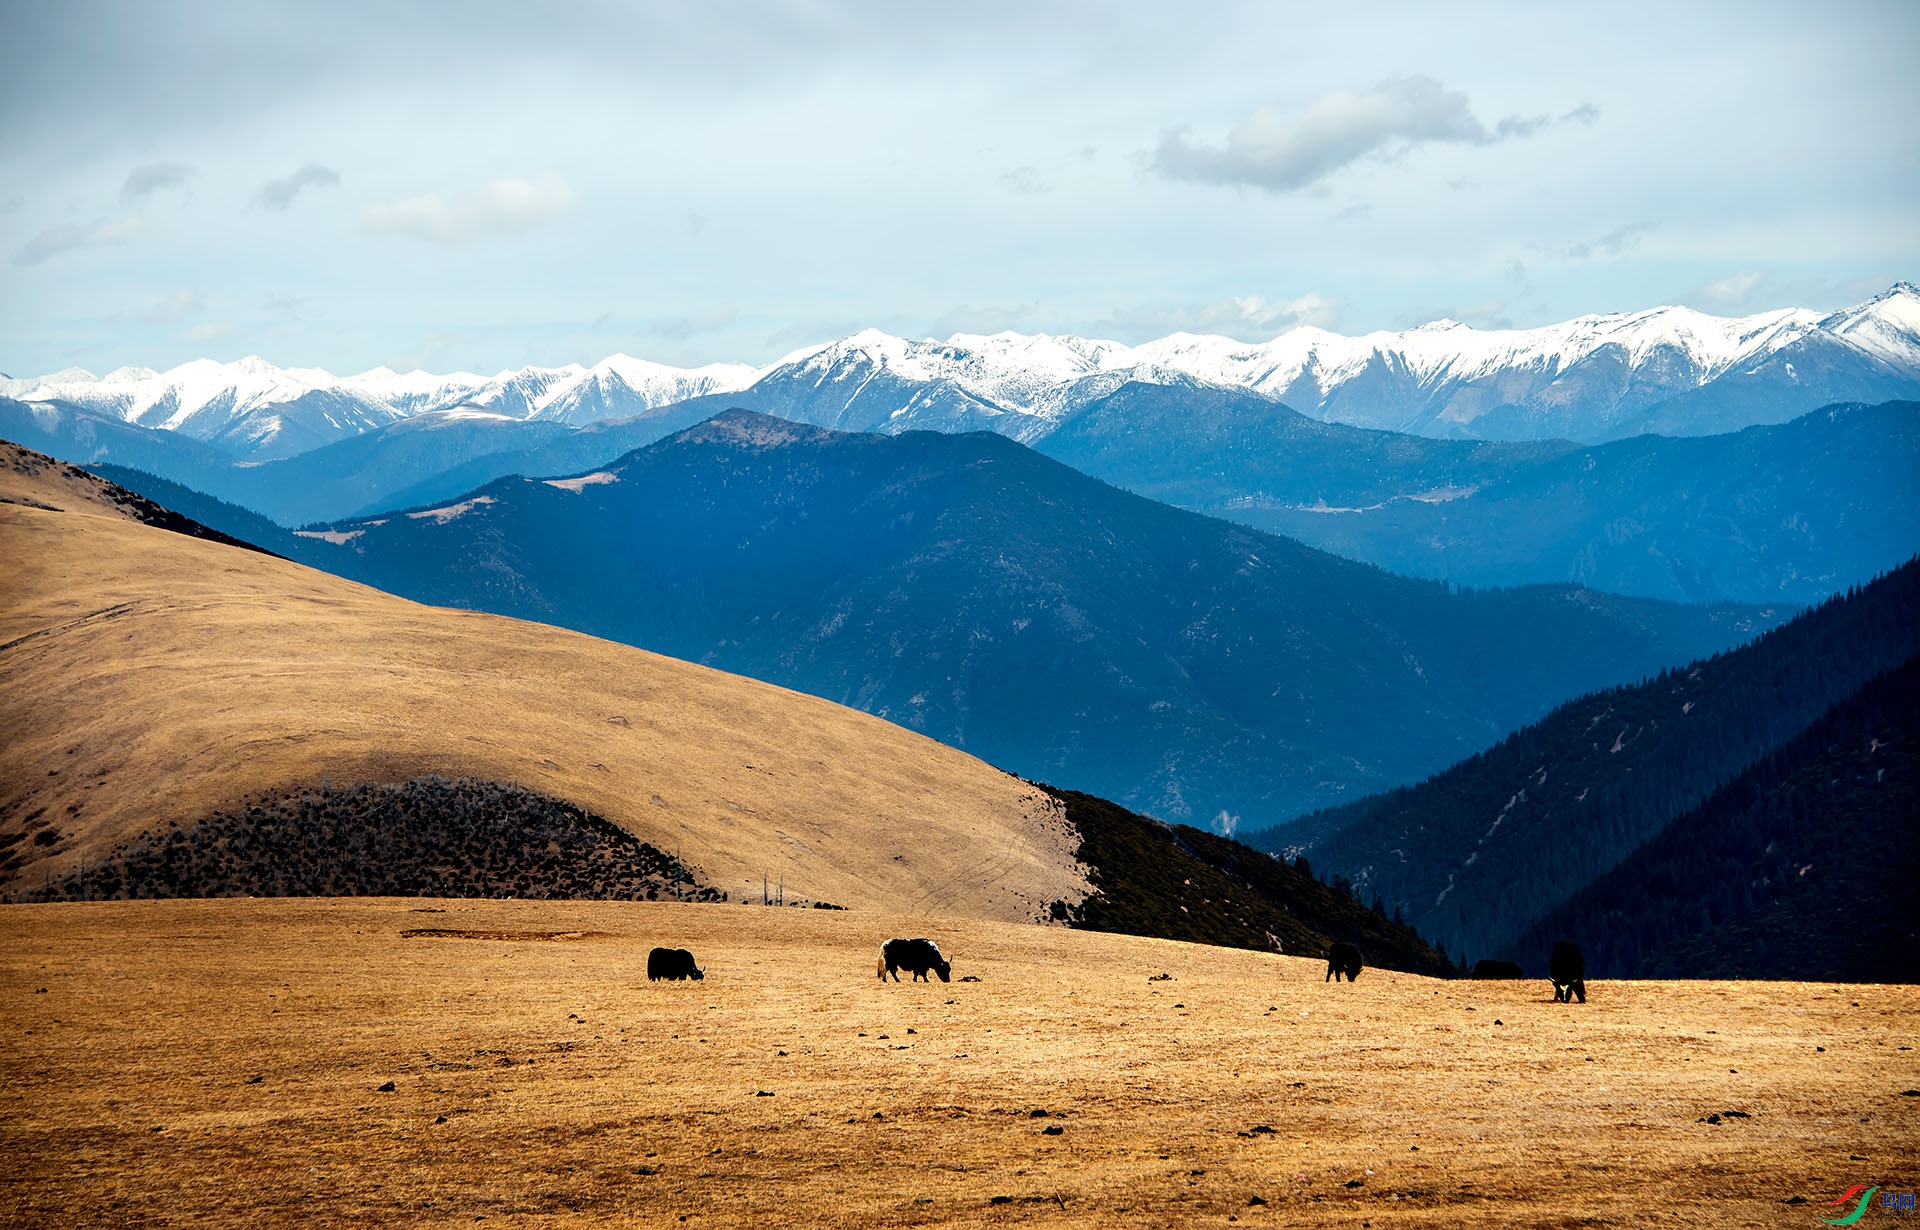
(1580, 989)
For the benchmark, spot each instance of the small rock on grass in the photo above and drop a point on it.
(389, 1087)
(1052, 1130)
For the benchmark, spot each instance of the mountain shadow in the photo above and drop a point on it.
(1476, 855)
(1180, 883)
(1803, 867)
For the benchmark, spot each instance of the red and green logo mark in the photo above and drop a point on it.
(1859, 1210)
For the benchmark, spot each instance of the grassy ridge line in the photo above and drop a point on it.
(1180, 883)
(131, 504)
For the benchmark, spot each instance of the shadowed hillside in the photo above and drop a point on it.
(1803, 867)
(1179, 883)
(1478, 853)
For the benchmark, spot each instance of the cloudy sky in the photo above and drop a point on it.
(478, 186)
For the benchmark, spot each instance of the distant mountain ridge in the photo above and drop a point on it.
(1788, 513)
(971, 589)
(1668, 369)
(1793, 512)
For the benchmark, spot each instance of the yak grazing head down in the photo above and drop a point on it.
(944, 969)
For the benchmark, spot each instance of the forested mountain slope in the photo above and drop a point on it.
(1477, 854)
(1803, 867)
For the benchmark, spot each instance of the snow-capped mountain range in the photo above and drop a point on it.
(1672, 370)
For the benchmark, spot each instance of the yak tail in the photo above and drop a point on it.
(880, 967)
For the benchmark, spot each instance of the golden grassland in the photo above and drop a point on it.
(149, 678)
(227, 1063)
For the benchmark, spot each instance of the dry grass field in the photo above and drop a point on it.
(259, 1062)
(148, 678)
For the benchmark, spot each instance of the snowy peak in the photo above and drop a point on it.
(1886, 326)
(1671, 369)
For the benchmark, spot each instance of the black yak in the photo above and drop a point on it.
(1343, 959)
(918, 956)
(1568, 969)
(673, 964)
(1497, 969)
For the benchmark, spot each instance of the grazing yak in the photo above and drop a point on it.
(1497, 969)
(673, 964)
(918, 956)
(1568, 969)
(1343, 959)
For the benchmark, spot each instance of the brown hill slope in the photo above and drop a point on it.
(148, 678)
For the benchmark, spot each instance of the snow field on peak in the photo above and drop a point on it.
(1037, 379)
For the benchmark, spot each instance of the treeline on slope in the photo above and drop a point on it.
(140, 507)
(426, 837)
(1473, 856)
(1805, 866)
(1179, 883)
(243, 524)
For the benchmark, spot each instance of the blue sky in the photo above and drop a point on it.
(483, 186)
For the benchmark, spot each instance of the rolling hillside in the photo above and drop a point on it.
(153, 679)
(970, 589)
(1476, 855)
(192, 717)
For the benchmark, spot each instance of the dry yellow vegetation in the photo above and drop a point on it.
(229, 1063)
(147, 677)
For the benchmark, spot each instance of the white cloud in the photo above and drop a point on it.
(208, 332)
(1027, 180)
(680, 328)
(1617, 242)
(1285, 153)
(1734, 289)
(964, 319)
(56, 240)
(152, 177)
(503, 207)
(177, 306)
(277, 194)
(1248, 319)
(812, 331)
